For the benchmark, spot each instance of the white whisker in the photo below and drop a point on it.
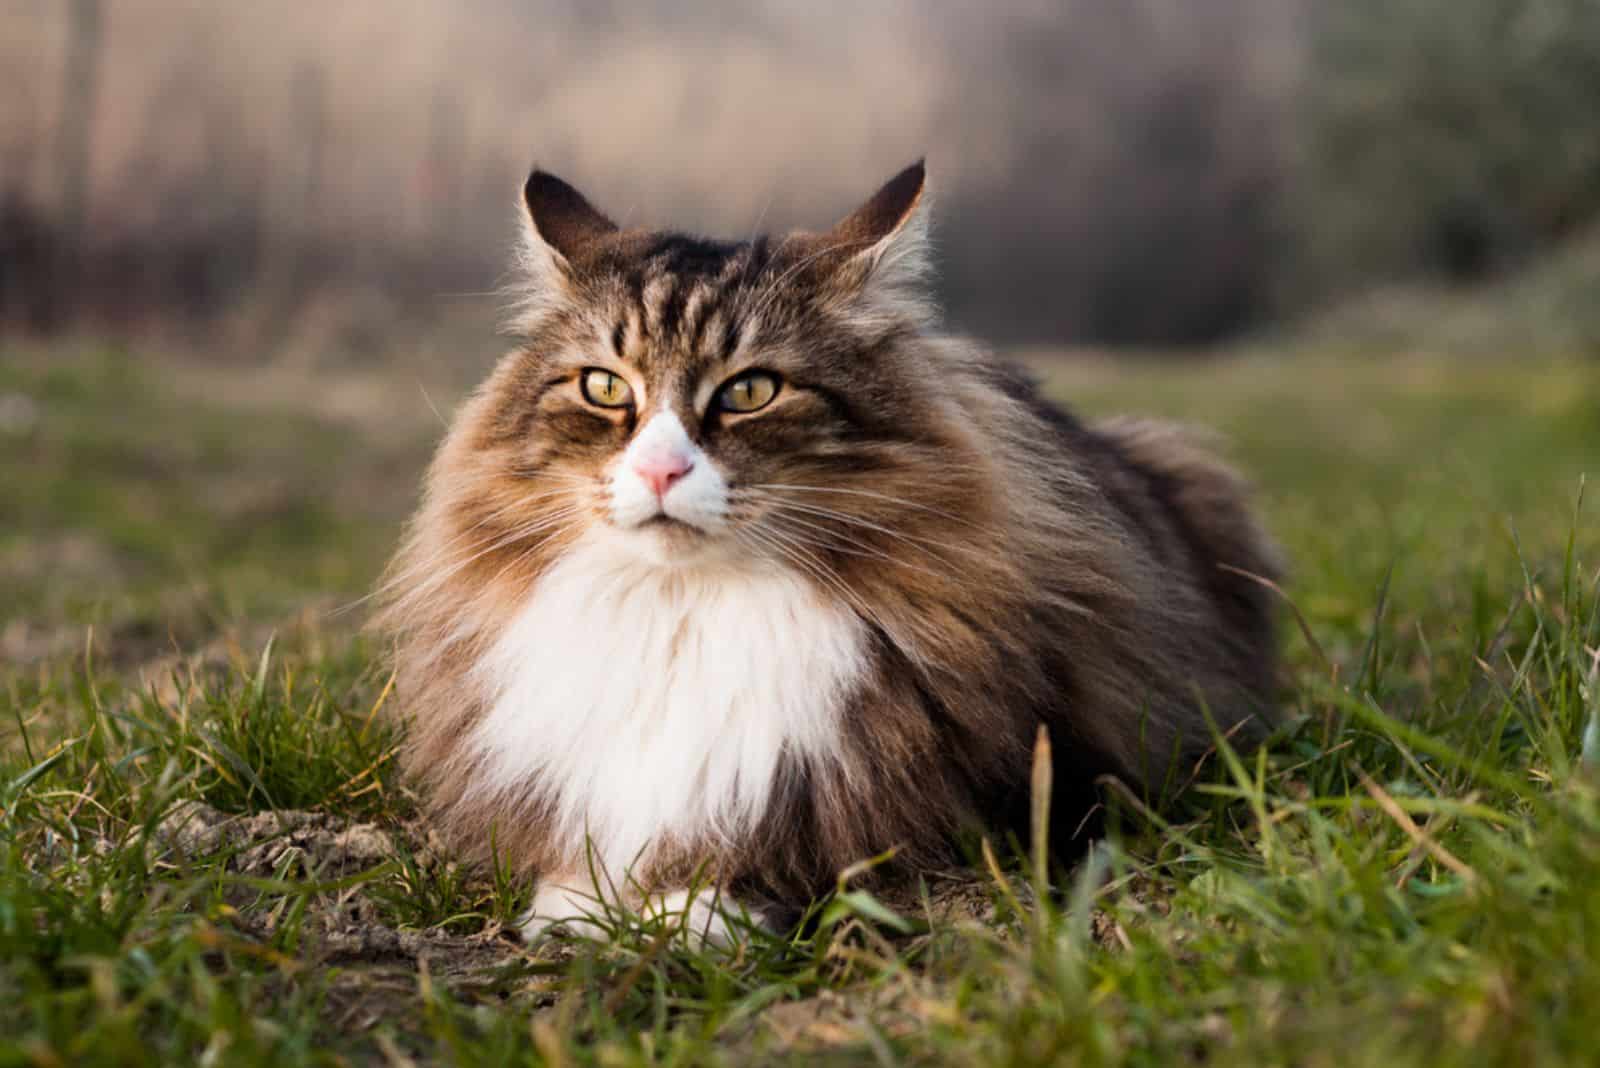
(838, 541)
(903, 502)
(391, 582)
(527, 531)
(809, 564)
(927, 545)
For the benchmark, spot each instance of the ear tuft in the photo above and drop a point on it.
(558, 224)
(560, 216)
(887, 211)
(881, 249)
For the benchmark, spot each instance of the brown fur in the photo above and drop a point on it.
(1015, 567)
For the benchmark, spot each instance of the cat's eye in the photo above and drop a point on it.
(603, 389)
(750, 392)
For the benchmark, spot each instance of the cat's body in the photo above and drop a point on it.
(738, 570)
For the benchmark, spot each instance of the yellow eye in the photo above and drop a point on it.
(750, 392)
(603, 389)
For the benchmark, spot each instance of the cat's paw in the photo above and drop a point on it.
(708, 918)
(557, 907)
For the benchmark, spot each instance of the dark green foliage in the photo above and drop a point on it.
(1449, 138)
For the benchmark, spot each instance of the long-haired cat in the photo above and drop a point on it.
(738, 571)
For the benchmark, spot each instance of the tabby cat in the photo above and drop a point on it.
(738, 571)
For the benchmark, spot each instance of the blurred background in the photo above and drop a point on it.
(1110, 172)
(248, 252)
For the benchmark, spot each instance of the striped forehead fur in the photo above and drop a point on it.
(976, 563)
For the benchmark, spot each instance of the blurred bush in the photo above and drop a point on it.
(1444, 138)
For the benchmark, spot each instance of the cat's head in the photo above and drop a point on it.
(701, 400)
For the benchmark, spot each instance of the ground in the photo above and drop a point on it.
(206, 853)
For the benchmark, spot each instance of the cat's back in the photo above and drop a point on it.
(1153, 508)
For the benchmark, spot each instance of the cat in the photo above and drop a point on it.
(739, 570)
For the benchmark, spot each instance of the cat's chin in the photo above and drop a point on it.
(672, 543)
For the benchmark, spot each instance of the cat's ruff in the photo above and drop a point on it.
(646, 704)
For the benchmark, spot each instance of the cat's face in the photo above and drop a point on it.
(695, 401)
(675, 445)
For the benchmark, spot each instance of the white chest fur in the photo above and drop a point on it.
(649, 703)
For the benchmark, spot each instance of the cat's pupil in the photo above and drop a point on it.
(748, 393)
(605, 389)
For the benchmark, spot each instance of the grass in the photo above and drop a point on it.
(205, 855)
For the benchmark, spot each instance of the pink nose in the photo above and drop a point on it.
(661, 470)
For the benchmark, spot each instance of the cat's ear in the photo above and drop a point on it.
(882, 246)
(558, 227)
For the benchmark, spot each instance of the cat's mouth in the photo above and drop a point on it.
(663, 521)
(672, 542)
(671, 530)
